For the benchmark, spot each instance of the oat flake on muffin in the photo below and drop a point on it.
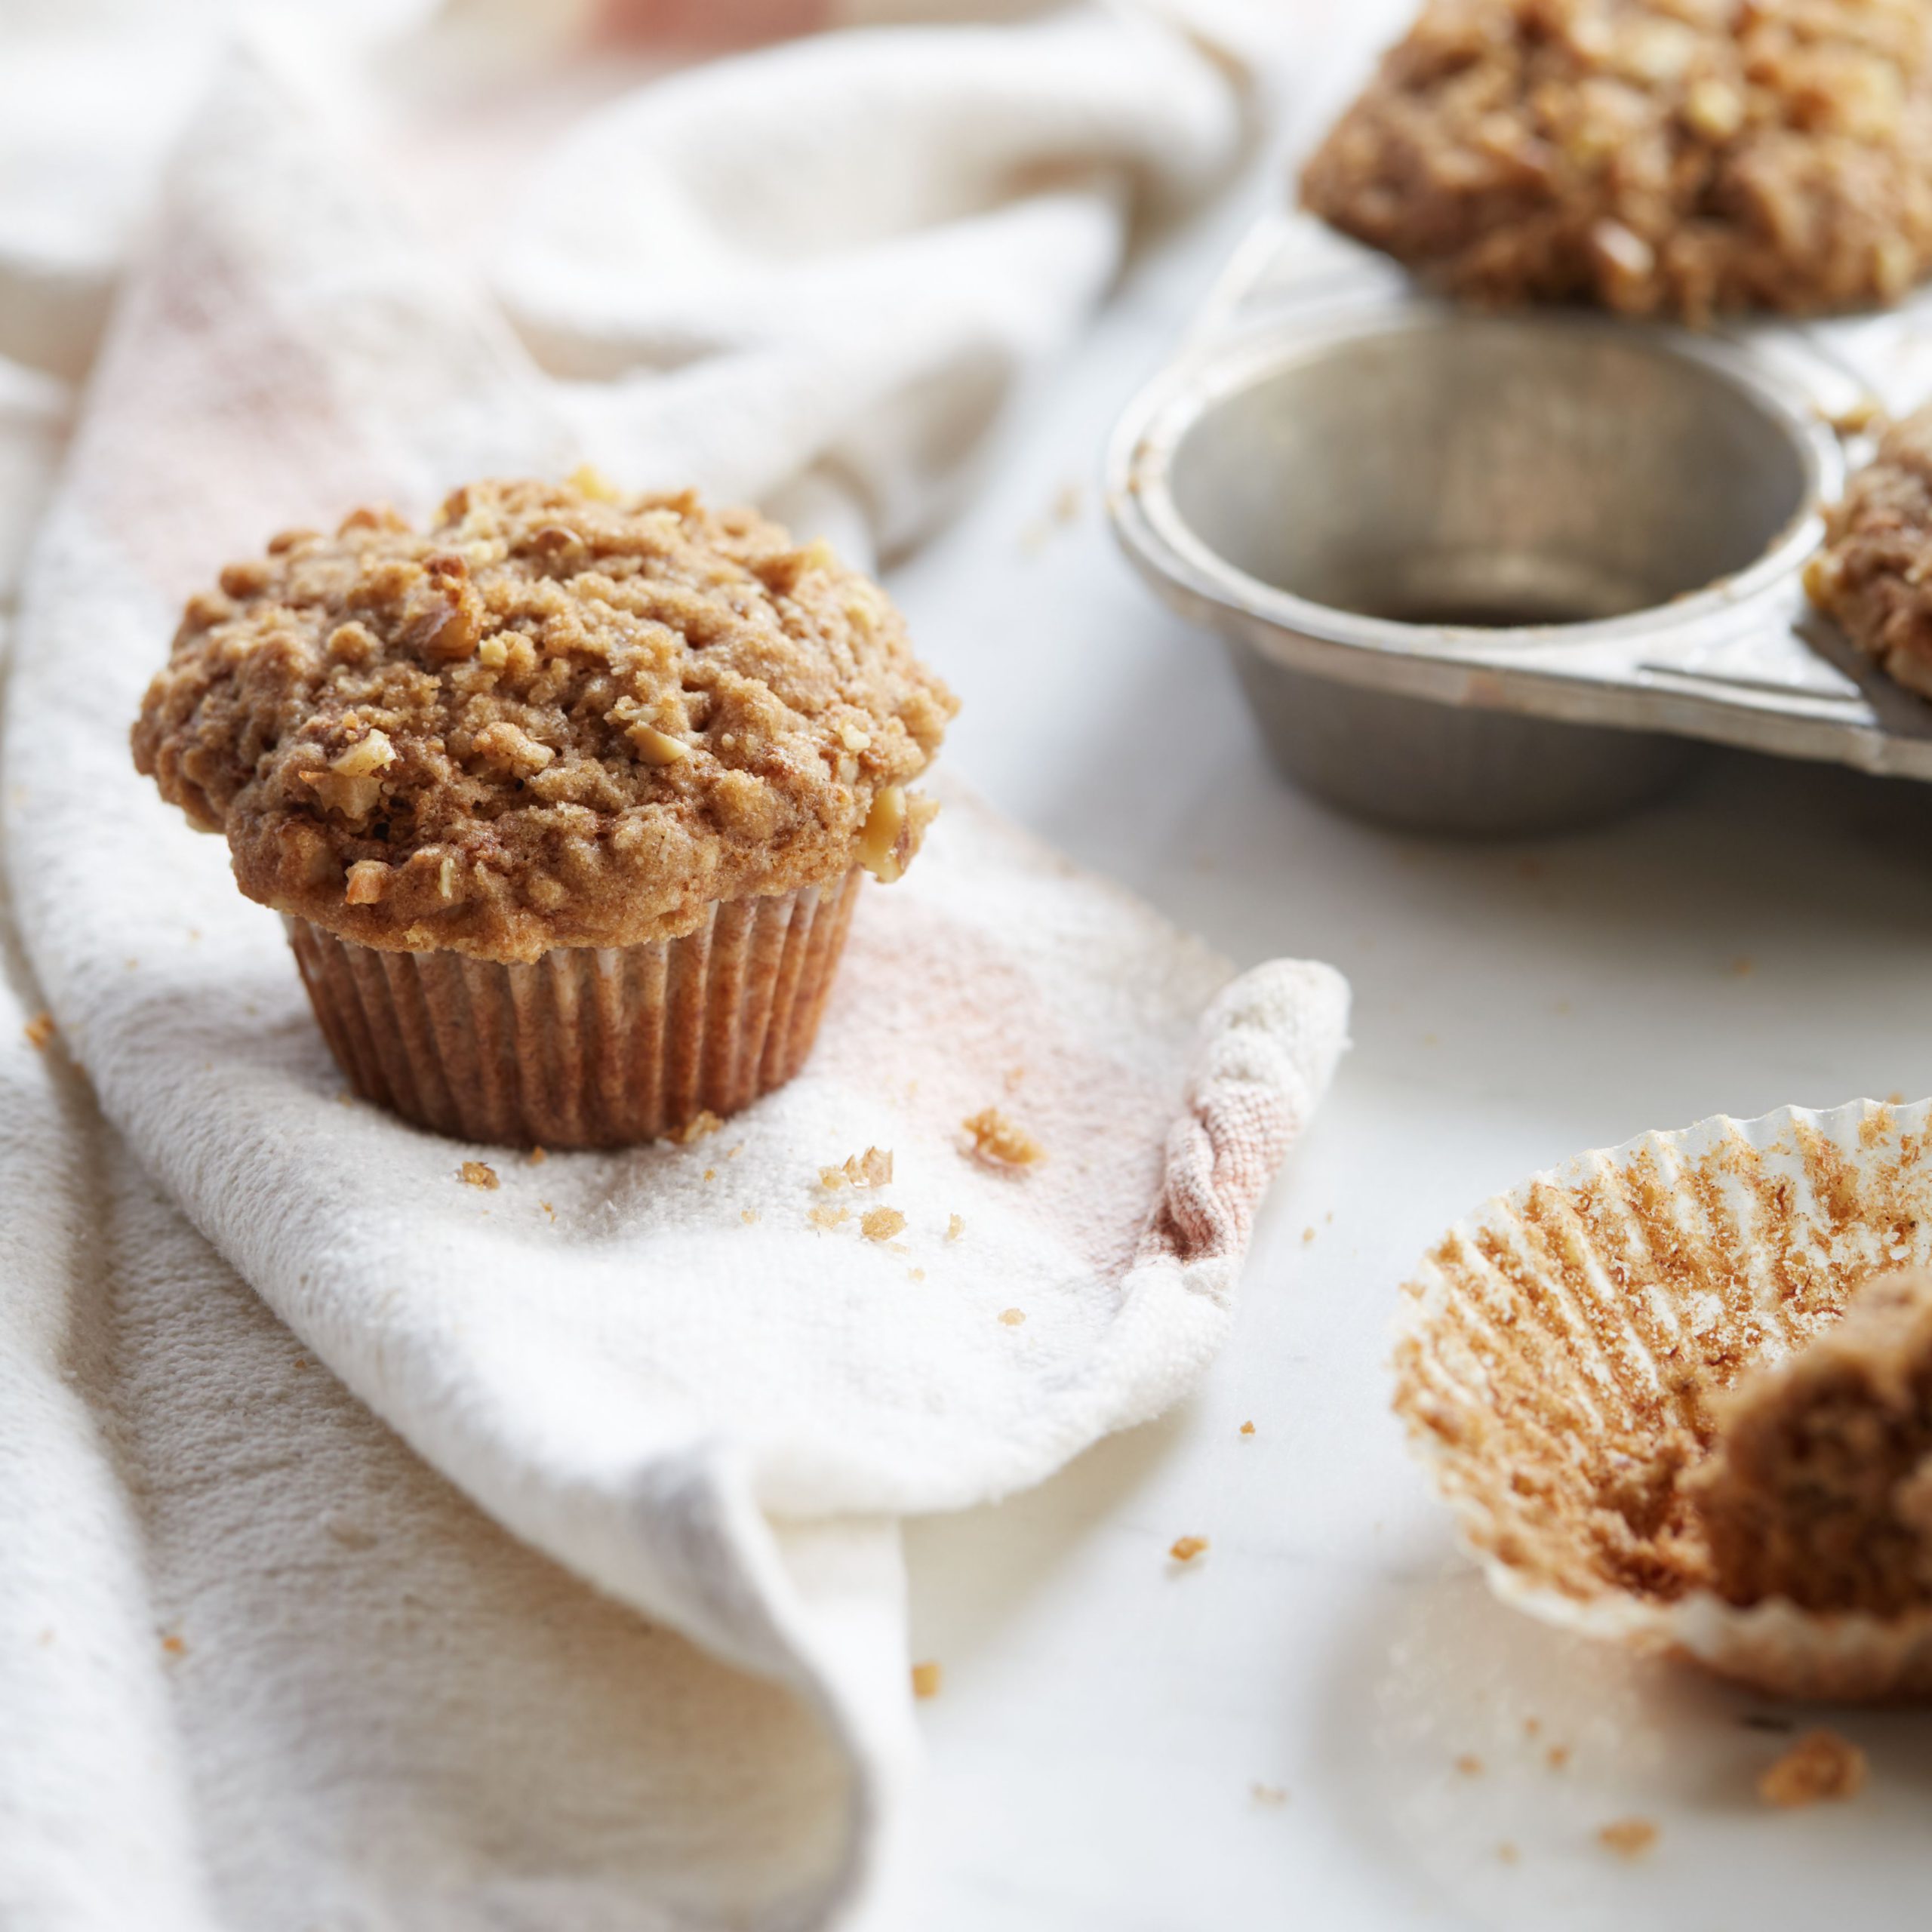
(1659, 156)
(553, 719)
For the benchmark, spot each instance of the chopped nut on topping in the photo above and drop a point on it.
(955, 1227)
(878, 843)
(1821, 1767)
(701, 1123)
(656, 747)
(589, 481)
(881, 1223)
(853, 739)
(1185, 1549)
(1629, 1838)
(354, 798)
(477, 1174)
(369, 753)
(926, 1678)
(510, 748)
(1714, 108)
(1013, 1317)
(367, 878)
(39, 1030)
(996, 1140)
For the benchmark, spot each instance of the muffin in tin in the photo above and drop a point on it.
(1660, 157)
(1873, 572)
(566, 799)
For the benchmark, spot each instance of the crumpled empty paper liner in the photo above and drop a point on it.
(1551, 1342)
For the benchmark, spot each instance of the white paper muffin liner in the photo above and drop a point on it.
(1549, 1341)
(587, 1046)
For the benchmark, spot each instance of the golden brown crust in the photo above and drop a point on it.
(552, 719)
(1659, 156)
(1871, 572)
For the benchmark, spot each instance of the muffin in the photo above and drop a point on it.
(1871, 572)
(566, 800)
(1678, 1395)
(1679, 157)
(1818, 1488)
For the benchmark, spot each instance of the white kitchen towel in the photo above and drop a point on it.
(271, 1672)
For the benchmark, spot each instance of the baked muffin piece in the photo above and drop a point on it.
(1820, 1487)
(553, 719)
(1871, 572)
(1659, 156)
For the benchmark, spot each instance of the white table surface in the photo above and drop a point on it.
(1106, 1718)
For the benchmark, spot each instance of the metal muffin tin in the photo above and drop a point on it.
(1488, 573)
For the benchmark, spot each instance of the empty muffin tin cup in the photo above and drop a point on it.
(1380, 510)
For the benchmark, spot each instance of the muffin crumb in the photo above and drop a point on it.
(881, 1223)
(1629, 1838)
(39, 1030)
(1013, 1317)
(477, 1174)
(1247, 1428)
(997, 1141)
(873, 1168)
(702, 1122)
(927, 1680)
(1821, 1768)
(1185, 1549)
(828, 1217)
(955, 1227)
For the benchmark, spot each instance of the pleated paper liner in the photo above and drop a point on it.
(1559, 1350)
(586, 1047)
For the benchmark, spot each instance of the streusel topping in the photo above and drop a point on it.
(1682, 156)
(553, 719)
